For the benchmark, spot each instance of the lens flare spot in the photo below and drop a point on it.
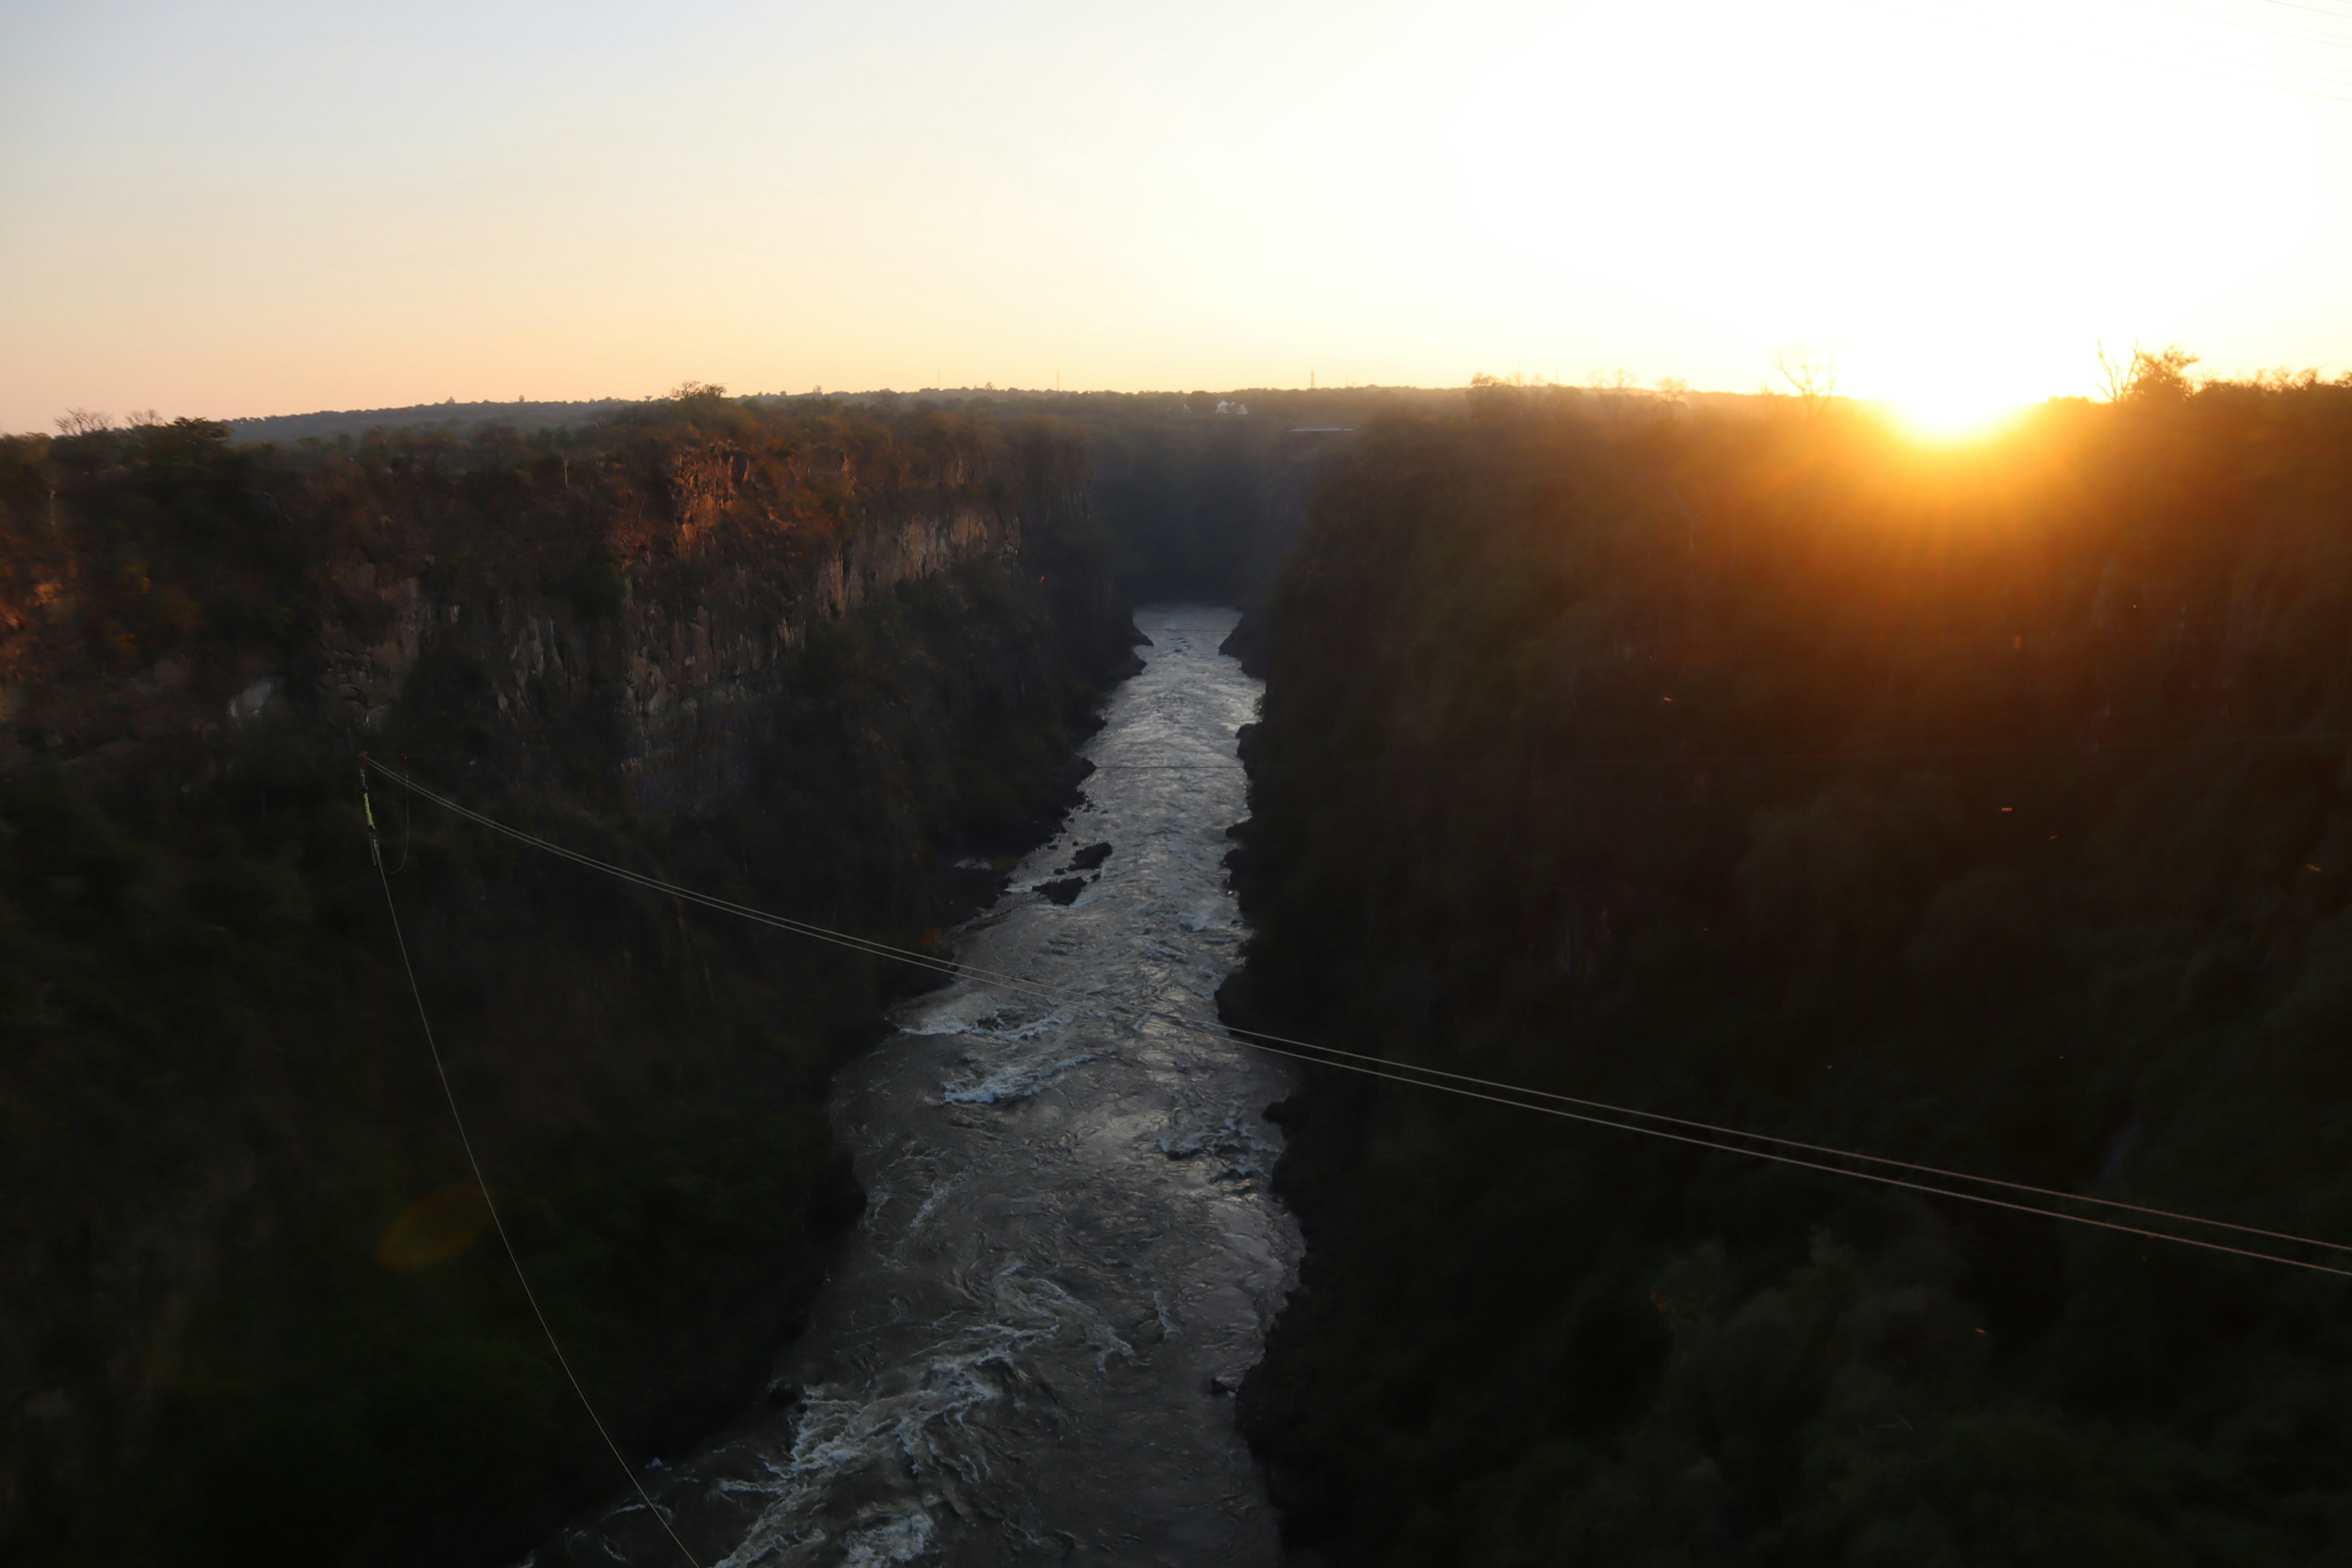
(435, 1228)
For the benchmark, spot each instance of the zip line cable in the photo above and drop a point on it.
(1842, 1171)
(407, 824)
(1253, 1036)
(498, 1223)
(1842, 755)
(1395, 1071)
(1865, 755)
(871, 947)
(1335, 1056)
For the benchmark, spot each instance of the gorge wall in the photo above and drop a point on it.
(1985, 807)
(824, 660)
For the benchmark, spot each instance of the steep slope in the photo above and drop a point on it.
(1986, 808)
(247, 1310)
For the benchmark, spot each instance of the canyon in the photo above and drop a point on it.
(836, 666)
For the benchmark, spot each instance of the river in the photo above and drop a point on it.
(1027, 1351)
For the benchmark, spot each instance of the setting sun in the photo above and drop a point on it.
(1954, 414)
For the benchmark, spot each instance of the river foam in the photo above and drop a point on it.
(1069, 1252)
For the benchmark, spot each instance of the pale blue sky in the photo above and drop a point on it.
(260, 207)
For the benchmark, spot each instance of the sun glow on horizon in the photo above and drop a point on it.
(1955, 416)
(284, 207)
(1960, 217)
(1940, 396)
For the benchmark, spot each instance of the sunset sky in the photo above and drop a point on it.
(254, 208)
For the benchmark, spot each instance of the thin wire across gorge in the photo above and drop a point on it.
(1493, 1091)
(498, 1222)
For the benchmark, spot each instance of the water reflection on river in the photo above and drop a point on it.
(1069, 1254)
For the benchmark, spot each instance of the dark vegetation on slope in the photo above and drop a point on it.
(248, 1313)
(1985, 807)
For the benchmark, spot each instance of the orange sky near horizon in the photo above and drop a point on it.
(263, 208)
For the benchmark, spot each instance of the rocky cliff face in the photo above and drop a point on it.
(724, 576)
(668, 579)
(246, 1309)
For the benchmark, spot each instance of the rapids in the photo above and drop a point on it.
(1026, 1352)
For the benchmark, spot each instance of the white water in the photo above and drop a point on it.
(1069, 1255)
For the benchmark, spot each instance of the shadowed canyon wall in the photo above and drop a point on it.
(1985, 807)
(830, 661)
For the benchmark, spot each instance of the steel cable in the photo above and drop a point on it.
(1448, 1081)
(497, 1221)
